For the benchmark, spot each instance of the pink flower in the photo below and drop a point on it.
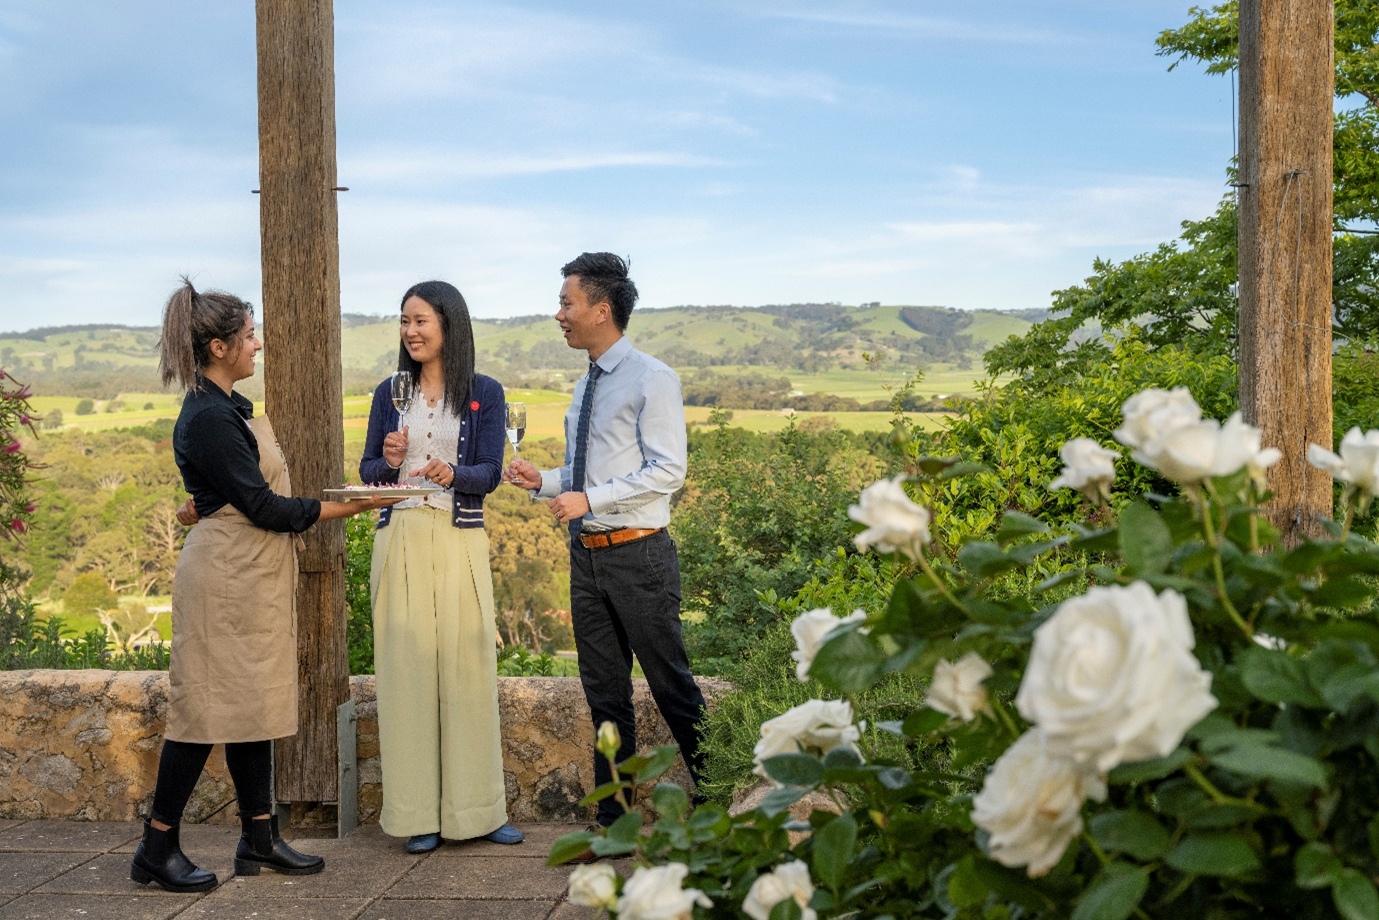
(12, 448)
(30, 509)
(23, 420)
(18, 526)
(23, 392)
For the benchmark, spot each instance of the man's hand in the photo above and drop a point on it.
(395, 448)
(522, 473)
(569, 506)
(186, 515)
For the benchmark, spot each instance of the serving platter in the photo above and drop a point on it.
(352, 493)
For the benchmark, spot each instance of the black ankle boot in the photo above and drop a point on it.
(260, 847)
(160, 859)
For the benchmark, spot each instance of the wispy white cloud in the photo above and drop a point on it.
(933, 28)
(396, 165)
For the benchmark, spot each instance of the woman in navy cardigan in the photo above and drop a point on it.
(434, 658)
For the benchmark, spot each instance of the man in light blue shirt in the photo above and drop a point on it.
(624, 458)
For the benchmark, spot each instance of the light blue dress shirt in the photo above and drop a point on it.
(636, 453)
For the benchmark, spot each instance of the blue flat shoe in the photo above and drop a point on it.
(506, 834)
(425, 843)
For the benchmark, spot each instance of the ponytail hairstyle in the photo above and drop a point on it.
(457, 341)
(191, 321)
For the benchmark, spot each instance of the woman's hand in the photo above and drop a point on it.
(395, 448)
(437, 471)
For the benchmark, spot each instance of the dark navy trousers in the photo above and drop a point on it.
(625, 600)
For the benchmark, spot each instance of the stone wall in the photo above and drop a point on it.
(85, 744)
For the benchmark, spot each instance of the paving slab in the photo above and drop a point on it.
(93, 907)
(109, 874)
(343, 877)
(279, 909)
(23, 872)
(398, 909)
(69, 836)
(568, 911)
(536, 846)
(482, 878)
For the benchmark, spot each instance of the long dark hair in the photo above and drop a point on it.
(457, 341)
(191, 321)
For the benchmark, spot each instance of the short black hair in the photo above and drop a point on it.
(603, 277)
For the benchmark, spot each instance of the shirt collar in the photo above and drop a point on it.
(615, 353)
(241, 404)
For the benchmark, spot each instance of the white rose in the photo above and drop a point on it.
(1112, 677)
(1358, 463)
(957, 690)
(782, 884)
(1152, 413)
(893, 521)
(1031, 804)
(655, 894)
(594, 885)
(813, 727)
(1191, 453)
(1087, 467)
(810, 629)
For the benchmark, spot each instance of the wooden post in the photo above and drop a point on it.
(301, 322)
(1287, 74)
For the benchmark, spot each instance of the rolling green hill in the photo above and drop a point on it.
(857, 353)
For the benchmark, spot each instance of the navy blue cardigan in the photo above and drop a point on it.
(479, 466)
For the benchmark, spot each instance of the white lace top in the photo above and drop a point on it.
(432, 433)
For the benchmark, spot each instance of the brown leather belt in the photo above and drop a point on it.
(605, 538)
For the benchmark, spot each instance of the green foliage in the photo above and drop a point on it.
(86, 407)
(1212, 37)
(88, 594)
(756, 512)
(516, 661)
(765, 685)
(28, 642)
(359, 534)
(1268, 806)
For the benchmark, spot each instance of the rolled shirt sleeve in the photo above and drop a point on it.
(218, 447)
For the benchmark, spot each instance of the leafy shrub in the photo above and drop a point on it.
(757, 511)
(88, 594)
(359, 533)
(86, 407)
(1196, 735)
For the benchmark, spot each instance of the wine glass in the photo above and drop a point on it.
(403, 390)
(517, 424)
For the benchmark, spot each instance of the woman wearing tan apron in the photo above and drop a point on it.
(233, 673)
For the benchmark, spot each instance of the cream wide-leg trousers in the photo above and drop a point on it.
(436, 678)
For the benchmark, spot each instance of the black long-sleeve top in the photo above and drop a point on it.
(219, 459)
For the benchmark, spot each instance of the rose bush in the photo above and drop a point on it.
(1194, 732)
(16, 416)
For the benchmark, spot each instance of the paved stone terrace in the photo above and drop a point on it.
(80, 869)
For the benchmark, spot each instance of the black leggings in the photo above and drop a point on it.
(180, 766)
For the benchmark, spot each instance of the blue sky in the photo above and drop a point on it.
(740, 151)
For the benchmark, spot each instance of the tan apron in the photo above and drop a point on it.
(234, 623)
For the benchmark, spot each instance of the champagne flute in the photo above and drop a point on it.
(517, 424)
(403, 391)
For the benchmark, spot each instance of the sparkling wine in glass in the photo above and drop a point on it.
(517, 424)
(403, 390)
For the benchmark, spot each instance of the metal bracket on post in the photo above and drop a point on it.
(347, 794)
